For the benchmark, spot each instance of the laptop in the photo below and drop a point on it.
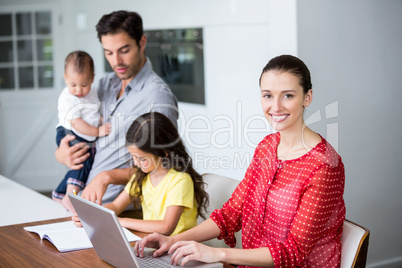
(110, 243)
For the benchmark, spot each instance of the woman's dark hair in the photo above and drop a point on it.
(121, 21)
(154, 133)
(79, 60)
(293, 65)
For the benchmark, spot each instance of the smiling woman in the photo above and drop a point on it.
(285, 92)
(289, 206)
(283, 100)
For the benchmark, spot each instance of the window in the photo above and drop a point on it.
(26, 45)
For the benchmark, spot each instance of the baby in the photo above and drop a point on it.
(78, 108)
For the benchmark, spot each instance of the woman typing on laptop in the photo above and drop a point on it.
(171, 192)
(289, 206)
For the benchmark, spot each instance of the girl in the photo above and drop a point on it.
(171, 192)
(289, 206)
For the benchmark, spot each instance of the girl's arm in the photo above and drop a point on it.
(165, 226)
(120, 203)
(86, 129)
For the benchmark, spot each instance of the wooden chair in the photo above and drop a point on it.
(354, 241)
(219, 188)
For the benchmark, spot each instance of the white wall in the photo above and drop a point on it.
(353, 49)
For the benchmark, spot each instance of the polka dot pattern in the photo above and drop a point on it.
(295, 208)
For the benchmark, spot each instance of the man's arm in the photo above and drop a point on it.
(95, 190)
(71, 156)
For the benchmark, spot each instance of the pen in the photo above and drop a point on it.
(74, 192)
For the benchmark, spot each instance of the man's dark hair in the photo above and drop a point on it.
(121, 21)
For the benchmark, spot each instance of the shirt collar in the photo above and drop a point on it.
(137, 83)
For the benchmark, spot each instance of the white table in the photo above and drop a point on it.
(19, 204)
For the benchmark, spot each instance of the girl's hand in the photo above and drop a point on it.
(160, 242)
(191, 250)
(76, 220)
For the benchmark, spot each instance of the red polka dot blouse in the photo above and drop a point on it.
(295, 207)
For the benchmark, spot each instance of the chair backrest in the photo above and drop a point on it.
(354, 241)
(220, 189)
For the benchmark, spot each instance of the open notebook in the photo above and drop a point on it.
(109, 241)
(65, 236)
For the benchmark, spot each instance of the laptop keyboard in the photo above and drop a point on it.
(149, 261)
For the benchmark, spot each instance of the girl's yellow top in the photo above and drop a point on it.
(176, 189)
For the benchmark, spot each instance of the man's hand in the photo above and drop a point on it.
(95, 190)
(72, 156)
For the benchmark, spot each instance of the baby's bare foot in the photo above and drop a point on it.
(58, 200)
(67, 204)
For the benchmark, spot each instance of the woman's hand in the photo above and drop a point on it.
(191, 250)
(160, 242)
(76, 220)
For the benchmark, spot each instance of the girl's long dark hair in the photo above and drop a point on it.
(154, 133)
